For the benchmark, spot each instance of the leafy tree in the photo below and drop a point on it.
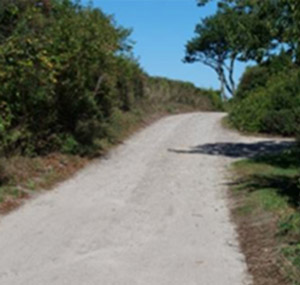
(219, 42)
(274, 25)
(245, 30)
(212, 48)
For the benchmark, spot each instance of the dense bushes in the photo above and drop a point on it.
(269, 99)
(65, 71)
(50, 62)
(254, 77)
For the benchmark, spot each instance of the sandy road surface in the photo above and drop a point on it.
(153, 213)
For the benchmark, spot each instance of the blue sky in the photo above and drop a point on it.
(161, 29)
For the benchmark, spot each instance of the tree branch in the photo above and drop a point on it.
(98, 85)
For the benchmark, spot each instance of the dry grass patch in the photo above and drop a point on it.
(21, 177)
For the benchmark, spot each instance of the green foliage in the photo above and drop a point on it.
(268, 24)
(213, 46)
(248, 114)
(271, 105)
(258, 75)
(237, 31)
(253, 78)
(69, 145)
(50, 59)
(64, 71)
(246, 30)
(290, 226)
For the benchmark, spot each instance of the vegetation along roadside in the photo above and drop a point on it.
(266, 101)
(70, 88)
(266, 202)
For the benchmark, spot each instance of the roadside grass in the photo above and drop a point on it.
(269, 186)
(21, 177)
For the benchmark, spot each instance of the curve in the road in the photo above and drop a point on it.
(144, 216)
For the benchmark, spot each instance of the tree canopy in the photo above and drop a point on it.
(245, 30)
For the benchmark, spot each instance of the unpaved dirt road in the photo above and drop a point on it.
(154, 212)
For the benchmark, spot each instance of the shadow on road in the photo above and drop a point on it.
(236, 150)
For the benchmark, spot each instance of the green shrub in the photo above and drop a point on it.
(257, 76)
(253, 78)
(273, 108)
(285, 122)
(59, 66)
(248, 114)
(69, 145)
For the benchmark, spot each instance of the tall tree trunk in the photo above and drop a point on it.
(225, 82)
(231, 74)
(223, 93)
